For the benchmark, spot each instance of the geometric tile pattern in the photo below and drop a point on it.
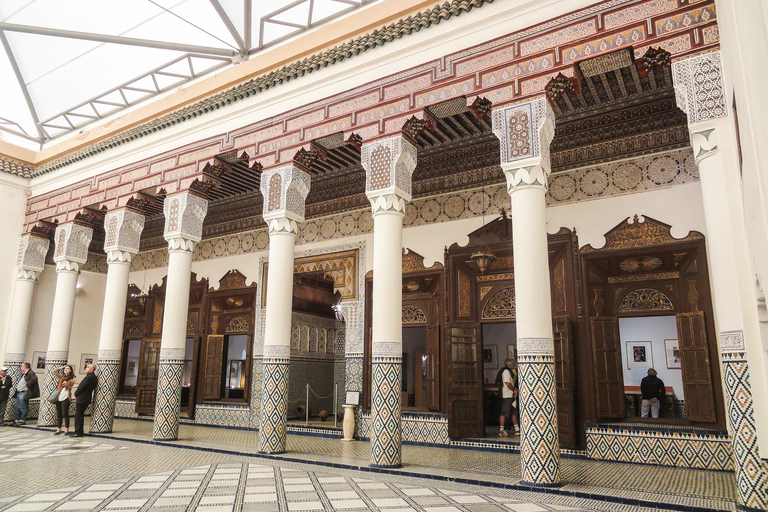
(125, 408)
(272, 435)
(415, 428)
(104, 402)
(751, 471)
(46, 416)
(222, 414)
(22, 444)
(386, 406)
(13, 362)
(538, 414)
(353, 378)
(660, 446)
(168, 405)
(257, 374)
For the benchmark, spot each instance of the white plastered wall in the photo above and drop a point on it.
(13, 194)
(86, 319)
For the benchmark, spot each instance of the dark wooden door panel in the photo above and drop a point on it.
(564, 381)
(694, 359)
(146, 386)
(213, 367)
(465, 382)
(609, 378)
(433, 367)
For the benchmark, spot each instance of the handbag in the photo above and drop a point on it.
(54, 397)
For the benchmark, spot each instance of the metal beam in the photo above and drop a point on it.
(129, 41)
(230, 26)
(247, 15)
(23, 85)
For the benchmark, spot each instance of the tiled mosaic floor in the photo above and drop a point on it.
(23, 444)
(164, 476)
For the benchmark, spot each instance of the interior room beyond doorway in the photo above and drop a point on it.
(499, 343)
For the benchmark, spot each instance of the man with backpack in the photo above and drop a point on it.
(507, 380)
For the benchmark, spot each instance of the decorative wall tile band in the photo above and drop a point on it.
(47, 411)
(257, 375)
(104, 403)
(386, 406)
(665, 447)
(353, 378)
(168, 405)
(222, 415)
(538, 414)
(751, 471)
(125, 408)
(273, 416)
(13, 362)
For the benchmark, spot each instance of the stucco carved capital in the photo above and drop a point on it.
(525, 132)
(67, 266)
(282, 226)
(32, 251)
(181, 244)
(23, 274)
(72, 241)
(389, 164)
(699, 87)
(285, 190)
(184, 213)
(704, 139)
(117, 257)
(387, 203)
(531, 175)
(123, 231)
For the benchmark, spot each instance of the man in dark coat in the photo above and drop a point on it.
(6, 383)
(84, 395)
(26, 389)
(653, 392)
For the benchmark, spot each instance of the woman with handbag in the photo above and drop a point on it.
(66, 377)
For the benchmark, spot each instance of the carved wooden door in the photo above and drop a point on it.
(433, 367)
(214, 352)
(564, 381)
(465, 380)
(609, 375)
(146, 385)
(694, 359)
(193, 380)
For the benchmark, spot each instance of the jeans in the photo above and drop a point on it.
(20, 407)
(62, 413)
(653, 406)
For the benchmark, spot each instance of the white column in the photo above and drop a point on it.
(525, 132)
(72, 241)
(123, 235)
(700, 93)
(184, 214)
(284, 190)
(30, 262)
(389, 164)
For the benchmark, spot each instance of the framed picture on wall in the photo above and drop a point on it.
(672, 351)
(85, 360)
(38, 360)
(490, 357)
(639, 355)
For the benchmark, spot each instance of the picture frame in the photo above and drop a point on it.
(639, 355)
(38, 360)
(86, 359)
(672, 353)
(490, 357)
(512, 352)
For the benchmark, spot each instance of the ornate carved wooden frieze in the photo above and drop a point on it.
(645, 299)
(413, 314)
(639, 233)
(414, 262)
(500, 305)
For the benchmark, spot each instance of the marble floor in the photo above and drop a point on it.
(219, 469)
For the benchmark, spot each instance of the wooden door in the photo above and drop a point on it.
(214, 368)
(420, 380)
(146, 385)
(609, 375)
(564, 381)
(694, 359)
(465, 380)
(433, 368)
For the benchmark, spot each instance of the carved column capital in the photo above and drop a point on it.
(389, 164)
(23, 274)
(116, 257)
(31, 256)
(181, 244)
(282, 225)
(72, 241)
(184, 213)
(123, 231)
(285, 190)
(525, 132)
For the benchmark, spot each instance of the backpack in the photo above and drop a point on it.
(500, 379)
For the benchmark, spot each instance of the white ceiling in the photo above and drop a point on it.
(80, 61)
